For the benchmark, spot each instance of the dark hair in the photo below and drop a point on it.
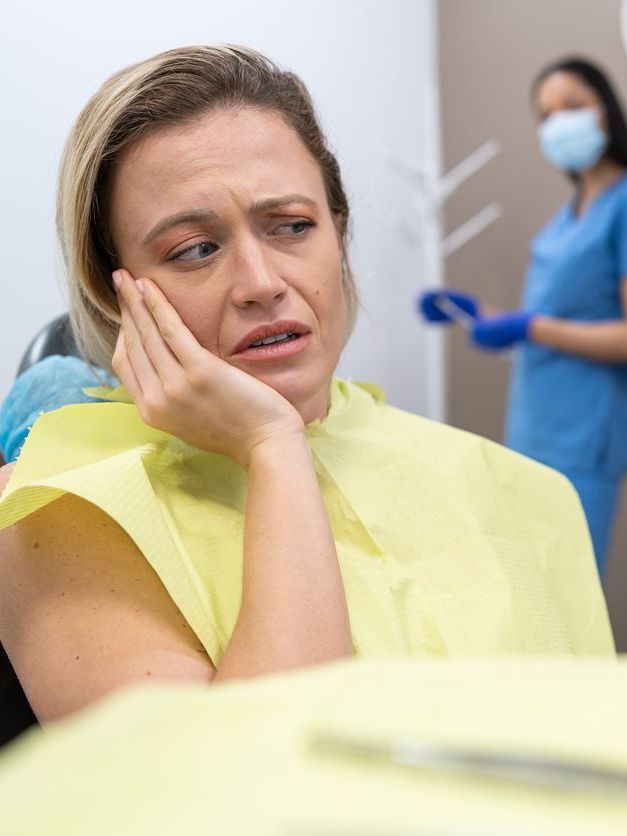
(595, 78)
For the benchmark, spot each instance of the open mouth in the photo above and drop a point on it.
(279, 338)
(274, 341)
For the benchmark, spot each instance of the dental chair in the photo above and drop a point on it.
(54, 338)
(16, 714)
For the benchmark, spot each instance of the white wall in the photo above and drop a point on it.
(371, 69)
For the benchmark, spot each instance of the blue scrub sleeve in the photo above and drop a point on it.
(621, 234)
(50, 384)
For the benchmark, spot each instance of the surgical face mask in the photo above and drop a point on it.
(572, 139)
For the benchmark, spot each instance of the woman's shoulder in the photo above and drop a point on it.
(618, 202)
(96, 451)
(614, 198)
(620, 186)
(68, 572)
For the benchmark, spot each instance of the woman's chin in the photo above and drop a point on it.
(308, 394)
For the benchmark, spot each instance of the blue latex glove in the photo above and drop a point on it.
(496, 332)
(428, 305)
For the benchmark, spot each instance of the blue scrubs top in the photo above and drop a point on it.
(563, 410)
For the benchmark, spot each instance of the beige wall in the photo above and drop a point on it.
(490, 50)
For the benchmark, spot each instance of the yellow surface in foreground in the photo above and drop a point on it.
(237, 759)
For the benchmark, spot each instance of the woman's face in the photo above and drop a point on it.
(228, 215)
(567, 91)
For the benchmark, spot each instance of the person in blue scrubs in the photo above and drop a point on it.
(568, 395)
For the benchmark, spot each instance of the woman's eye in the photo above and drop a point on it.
(295, 228)
(194, 253)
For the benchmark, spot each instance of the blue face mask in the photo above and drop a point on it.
(572, 139)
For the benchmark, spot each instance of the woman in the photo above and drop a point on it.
(568, 398)
(232, 510)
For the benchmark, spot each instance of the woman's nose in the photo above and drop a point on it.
(255, 277)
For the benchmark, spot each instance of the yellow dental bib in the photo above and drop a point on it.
(448, 544)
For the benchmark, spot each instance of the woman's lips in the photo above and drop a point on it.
(274, 351)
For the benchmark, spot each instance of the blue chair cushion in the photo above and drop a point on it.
(49, 384)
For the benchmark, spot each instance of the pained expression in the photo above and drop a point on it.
(228, 215)
(566, 91)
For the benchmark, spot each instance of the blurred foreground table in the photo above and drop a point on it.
(242, 758)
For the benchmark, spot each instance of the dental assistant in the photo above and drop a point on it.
(568, 395)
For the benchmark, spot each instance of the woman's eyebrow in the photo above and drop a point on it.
(179, 219)
(203, 215)
(269, 203)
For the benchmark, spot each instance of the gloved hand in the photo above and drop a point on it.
(497, 332)
(428, 305)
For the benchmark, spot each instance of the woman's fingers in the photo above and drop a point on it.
(147, 349)
(143, 370)
(123, 368)
(180, 340)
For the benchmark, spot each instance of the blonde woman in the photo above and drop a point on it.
(233, 510)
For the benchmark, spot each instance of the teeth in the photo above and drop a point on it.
(275, 339)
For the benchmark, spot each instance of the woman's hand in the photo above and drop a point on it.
(183, 389)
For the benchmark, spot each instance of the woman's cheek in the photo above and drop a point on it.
(194, 317)
(204, 328)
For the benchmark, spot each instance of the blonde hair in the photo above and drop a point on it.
(170, 88)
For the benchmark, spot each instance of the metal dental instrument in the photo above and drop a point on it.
(455, 311)
(535, 770)
(465, 320)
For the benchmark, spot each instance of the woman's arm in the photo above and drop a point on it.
(603, 341)
(82, 612)
(293, 609)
